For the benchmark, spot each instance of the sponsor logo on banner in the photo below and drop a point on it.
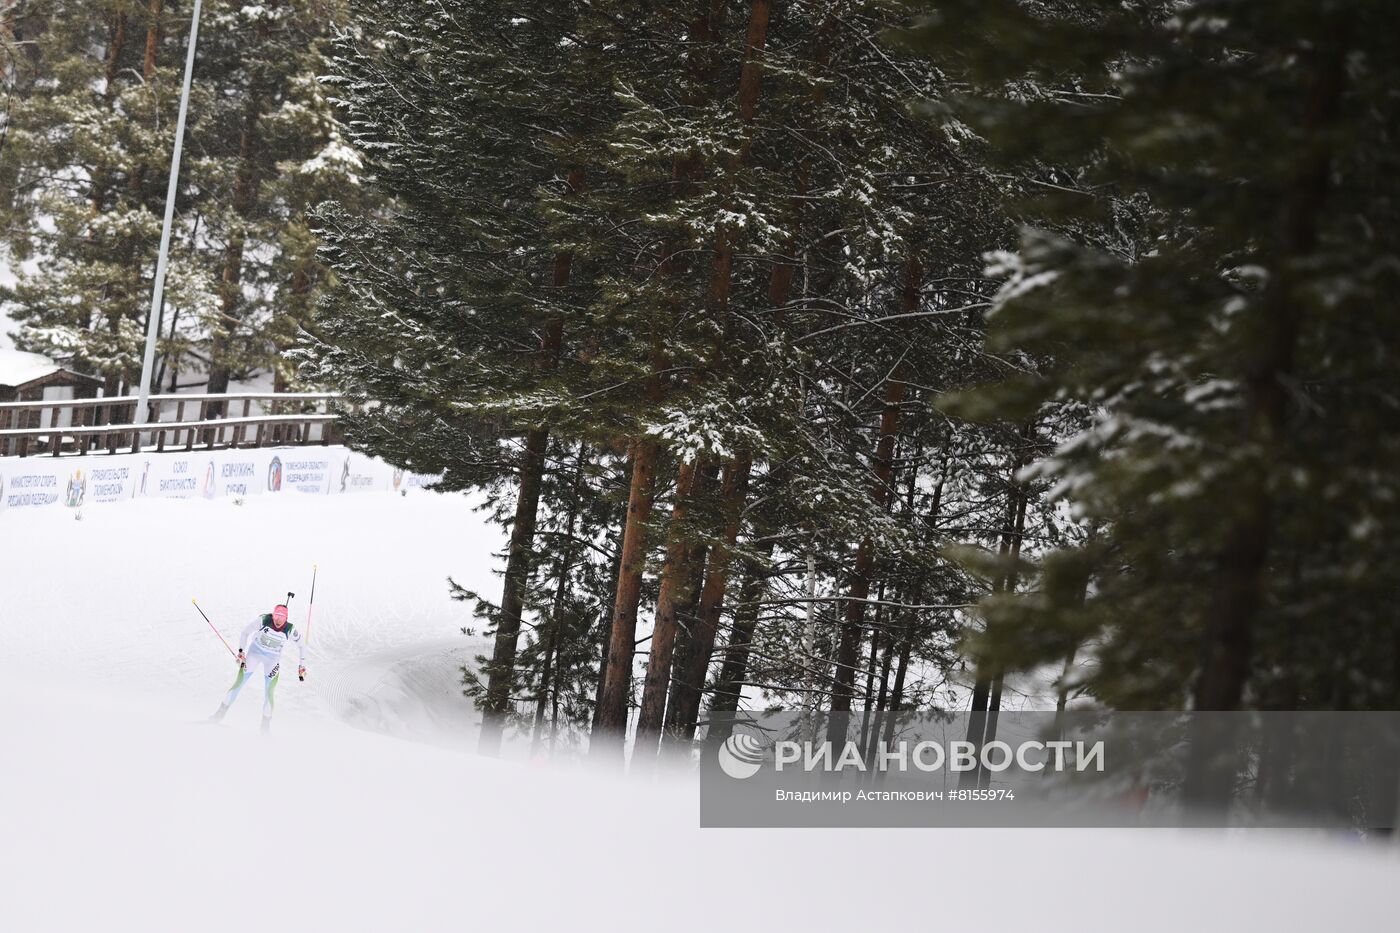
(231, 474)
(351, 481)
(403, 479)
(235, 475)
(108, 484)
(31, 489)
(308, 475)
(181, 483)
(77, 488)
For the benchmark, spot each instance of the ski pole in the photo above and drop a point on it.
(216, 631)
(311, 603)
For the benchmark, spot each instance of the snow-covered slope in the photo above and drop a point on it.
(106, 601)
(120, 809)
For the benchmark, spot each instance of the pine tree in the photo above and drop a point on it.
(88, 141)
(1232, 354)
(475, 297)
(741, 196)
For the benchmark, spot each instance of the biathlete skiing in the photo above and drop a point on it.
(260, 651)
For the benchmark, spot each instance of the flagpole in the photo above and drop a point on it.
(158, 292)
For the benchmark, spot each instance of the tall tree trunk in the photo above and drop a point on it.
(688, 683)
(807, 727)
(977, 719)
(663, 635)
(982, 775)
(784, 265)
(245, 194)
(1081, 597)
(988, 674)
(115, 47)
(904, 638)
(750, 77)
(148, 71)
(883, 697)
(848, 648)
(148, 62)
(116, 44)
(610, 734)
(166, 361)
(615, 575)
(999, 679)
(870, 668)
(729, 686)
(1227, 645)
(697, 564)
(501, 671)
(170, 360)
(116, 306)
(696, 561)
(552, 631)
(906, 644)
(871, 740)
(653, 707)
(300, 288)
(610, 722)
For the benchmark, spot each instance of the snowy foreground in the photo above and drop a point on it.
(120, 809)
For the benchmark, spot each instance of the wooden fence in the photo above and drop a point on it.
(77, 427)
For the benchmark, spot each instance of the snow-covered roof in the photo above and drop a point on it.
(18, 367)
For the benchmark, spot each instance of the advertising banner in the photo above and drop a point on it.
(211, 474)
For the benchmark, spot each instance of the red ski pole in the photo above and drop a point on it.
(216, 631)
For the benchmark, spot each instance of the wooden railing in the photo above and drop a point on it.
(77, 427)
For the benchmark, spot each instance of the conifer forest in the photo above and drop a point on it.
(854, 358)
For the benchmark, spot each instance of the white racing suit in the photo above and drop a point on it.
(263, 644)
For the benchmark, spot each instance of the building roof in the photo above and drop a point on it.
(18, 368)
